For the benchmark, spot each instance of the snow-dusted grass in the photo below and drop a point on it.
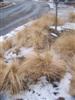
(10, 55)
(26, 57)
(43, 90)
(14, 52)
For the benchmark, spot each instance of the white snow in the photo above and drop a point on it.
(36, 0)
(23, 52)
(51, 5)
(9, 56)
(66, 26)
(7, 36)
(20, 28)
(69, 26)
(1, 38)
(53, 34)
(43, 90)
(59, 28)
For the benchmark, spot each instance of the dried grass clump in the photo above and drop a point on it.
(60, 21)
(44, 21)
(14, 77)
(64, 49)
(72, 17)
(65, 44)
(28, 36)
(47, 20)
(36, 67)
(3, 71)
(23, 38)
(37, 34)
(9, 77)
(5, 45)
(41, 40)
(1, 50)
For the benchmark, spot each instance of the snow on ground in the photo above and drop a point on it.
(59, 28)
(65, 27)
(23, 52)
(43, 90)
(9, 35)
(54, 35)
(69, 26)
(51, 5)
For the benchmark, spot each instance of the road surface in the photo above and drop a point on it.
(20, 13)
(24, 11)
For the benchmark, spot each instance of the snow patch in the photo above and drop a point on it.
(53, 34)
(23, 52)
(59, 28)
(69, 26)
(43, 90)
(51, 5)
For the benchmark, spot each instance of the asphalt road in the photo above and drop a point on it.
(26, 10)
(20, 13)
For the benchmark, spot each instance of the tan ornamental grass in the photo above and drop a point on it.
(64, 50)
(72, 17)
